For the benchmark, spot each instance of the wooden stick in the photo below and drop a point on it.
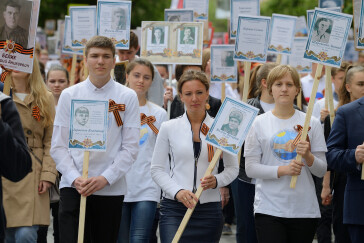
(169, 85)
(81, 222)
(73, 69)
(279, 59)
(7, 84)
(299, 100)
(327, 84)
(330, 98)
(223, 92)
(189, 212)
(85, 69)
(112, 73)
(247, 66)
(308, 116)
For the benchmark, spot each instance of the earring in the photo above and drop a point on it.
(207, 106)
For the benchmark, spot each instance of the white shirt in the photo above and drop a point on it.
(307, 84)
(122, 142)
(267, 147)
(141, 186)
(215, 91)
(319, 105)
(266, 106)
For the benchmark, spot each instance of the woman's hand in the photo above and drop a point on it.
(168, 95)
(326, 195)
(293, 169)
(44, 186)
(304, 149)
(208, 182)
(186, 197)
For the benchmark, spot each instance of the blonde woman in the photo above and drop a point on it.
(26, 202)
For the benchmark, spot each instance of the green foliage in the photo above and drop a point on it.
(142, 10)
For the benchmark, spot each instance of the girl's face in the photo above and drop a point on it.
(140, 79)
(19, 75)
(57, 82)
(284, 91)
(194, 95)
(356, 86)
(338, 80)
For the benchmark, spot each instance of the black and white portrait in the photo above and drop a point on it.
(158, 36)
(322, 30)
(15, 21)
(118, 19)
(174, 18)
(227, 59)
(330, 3)
(81, 117)
(232, 126)
(187, 36)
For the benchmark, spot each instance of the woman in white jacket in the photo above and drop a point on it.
(184, 139)
(283, 214)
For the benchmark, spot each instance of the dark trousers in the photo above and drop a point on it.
(356, 233)
(271, 229)
(43, 230)
(228, 210)
(102, 222)
(340, 229)
(324, 224)
(243, 195)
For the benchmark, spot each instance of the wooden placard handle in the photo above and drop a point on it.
(73, 69)
(189, 211)
(330, 97)
(169, 103)
(223, 92)
(247, 66)
(327, 84)
(299, 100)
(308, 116)
(81, 222)
(7, 84)
(85, 69)
(279, 59)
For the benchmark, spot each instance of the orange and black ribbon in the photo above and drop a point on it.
(4, 73)
(205, 129)
(148, 120)
(299, 129)
(36, 113)
(115, 108)
(18, 48)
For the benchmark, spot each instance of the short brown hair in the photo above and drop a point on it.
(133, 41)
(100, 42)
(281, 71)
(180, 70)
(140, 61)
(193, 75)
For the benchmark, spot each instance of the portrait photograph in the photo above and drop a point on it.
(330, 3)
(227, 59)
(15, 21)
(158, 36)
(118, 18)
(233, 122)
(187, 36)
(178, 15)
(322, 30)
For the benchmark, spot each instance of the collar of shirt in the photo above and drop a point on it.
(104, 88)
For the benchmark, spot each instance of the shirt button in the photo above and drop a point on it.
(29, 132)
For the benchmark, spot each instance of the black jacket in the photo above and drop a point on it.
(15, 162)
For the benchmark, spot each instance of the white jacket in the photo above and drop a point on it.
(175, 137)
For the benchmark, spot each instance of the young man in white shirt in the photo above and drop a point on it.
(307, 83)
(106, 184)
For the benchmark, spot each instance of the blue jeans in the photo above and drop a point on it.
(243, 196)
(137, 221)
(25, 234)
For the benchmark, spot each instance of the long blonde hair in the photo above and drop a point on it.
(38, 90)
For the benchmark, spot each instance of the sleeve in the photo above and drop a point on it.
(230, 172)
(126, 156)
(160, 163)
(130, 142)
(253, 154)
(15, 163)
(316, 110)
(49, 171)
(59, 145)
(339, 157)
(319, 165)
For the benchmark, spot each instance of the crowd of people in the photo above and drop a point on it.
(154, 164)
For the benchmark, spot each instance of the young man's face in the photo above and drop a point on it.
(11, 16)
(100, 62)
(82, 117)
(127, 55)
(323, 26)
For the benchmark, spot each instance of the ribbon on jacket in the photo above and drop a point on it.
(115, 108)
(205, 129)
(36, 113)
(299, 129)
(144, 119)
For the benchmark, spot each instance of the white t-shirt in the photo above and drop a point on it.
(307, 84)
(266, 106)
(267, 147)
(141, 186)
(319, 105)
